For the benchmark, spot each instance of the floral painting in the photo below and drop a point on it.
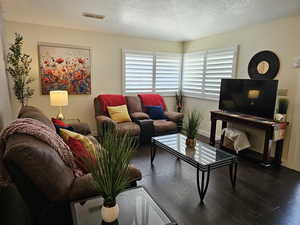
(65, 68)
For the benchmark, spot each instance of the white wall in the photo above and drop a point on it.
(281, 36)
(106, 63)
(5, 106)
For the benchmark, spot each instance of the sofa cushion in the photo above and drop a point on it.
(119, 113)
(161, 126)
(80, 153)
(129, 127)
(155, 112)
(134, 104)
(60, 124)
(34, 113)
(88, 144)
(110, 100)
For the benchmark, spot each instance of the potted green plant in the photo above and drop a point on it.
(190, 128)
(283, 104)
(179, 101)
(109, 168)
(18, 67)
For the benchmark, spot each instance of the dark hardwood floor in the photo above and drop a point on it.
(263, 196)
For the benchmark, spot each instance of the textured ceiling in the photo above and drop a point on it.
(176, 20)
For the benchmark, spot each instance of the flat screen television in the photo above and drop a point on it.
(253, 97)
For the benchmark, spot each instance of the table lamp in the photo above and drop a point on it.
(59, 98)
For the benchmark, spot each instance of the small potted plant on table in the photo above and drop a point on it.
(109, 168)
(190, 128)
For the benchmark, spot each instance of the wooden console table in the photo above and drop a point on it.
(268, 126)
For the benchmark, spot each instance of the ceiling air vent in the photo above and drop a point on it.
(94, 16)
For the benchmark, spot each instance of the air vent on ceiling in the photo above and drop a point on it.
(94, 16)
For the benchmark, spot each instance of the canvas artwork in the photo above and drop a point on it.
(65, 68)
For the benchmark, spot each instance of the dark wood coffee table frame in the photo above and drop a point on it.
(204, 169)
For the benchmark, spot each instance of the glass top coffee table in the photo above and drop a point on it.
(136, 208)
(203, 157)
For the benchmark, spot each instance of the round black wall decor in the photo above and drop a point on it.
(264, 65)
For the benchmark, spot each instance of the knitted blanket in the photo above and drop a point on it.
(43, 133)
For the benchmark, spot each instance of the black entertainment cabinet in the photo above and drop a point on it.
(264, 124)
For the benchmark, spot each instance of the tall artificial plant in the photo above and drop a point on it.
(18, 66)
(109, 166)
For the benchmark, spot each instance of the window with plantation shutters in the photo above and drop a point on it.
(148, 72)
(138, 72)
(167, 73)
(203, 71)
(193, 73)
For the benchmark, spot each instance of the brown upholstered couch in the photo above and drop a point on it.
(135, 109)
(45, 182)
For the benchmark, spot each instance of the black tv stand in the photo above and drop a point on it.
(252, 121)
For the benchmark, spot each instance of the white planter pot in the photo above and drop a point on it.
(110, 214)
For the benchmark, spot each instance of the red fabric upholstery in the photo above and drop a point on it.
(79, 152)
(111, 100)
(58, 122)
(152, 100)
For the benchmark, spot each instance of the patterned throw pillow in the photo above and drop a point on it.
(81, 154)
(87, 143)
(119, 113)
(60, 124)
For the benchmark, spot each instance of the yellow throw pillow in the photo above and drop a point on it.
(87, 143)
(119, 113)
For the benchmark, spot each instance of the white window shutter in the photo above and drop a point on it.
(167, 73)
(219, 64)
(137, 72)
(203, 71)
(193, 74)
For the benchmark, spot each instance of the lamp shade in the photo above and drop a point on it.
(58, 98)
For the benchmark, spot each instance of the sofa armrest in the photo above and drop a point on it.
(81, 128)
(104, 122)
(139, 116)
(174, 116)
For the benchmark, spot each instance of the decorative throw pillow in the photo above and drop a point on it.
(60, 124)
(119, 113)
(156, 112)
(80, 153)
(87, 143)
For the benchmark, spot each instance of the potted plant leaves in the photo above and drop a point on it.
(190, 128)
(109, 168)
(18, 67)
(179, 101)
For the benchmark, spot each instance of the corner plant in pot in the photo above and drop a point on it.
(109, 168)
(18, 67)
(190, 128)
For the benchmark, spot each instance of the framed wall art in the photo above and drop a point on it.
(63, 67)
